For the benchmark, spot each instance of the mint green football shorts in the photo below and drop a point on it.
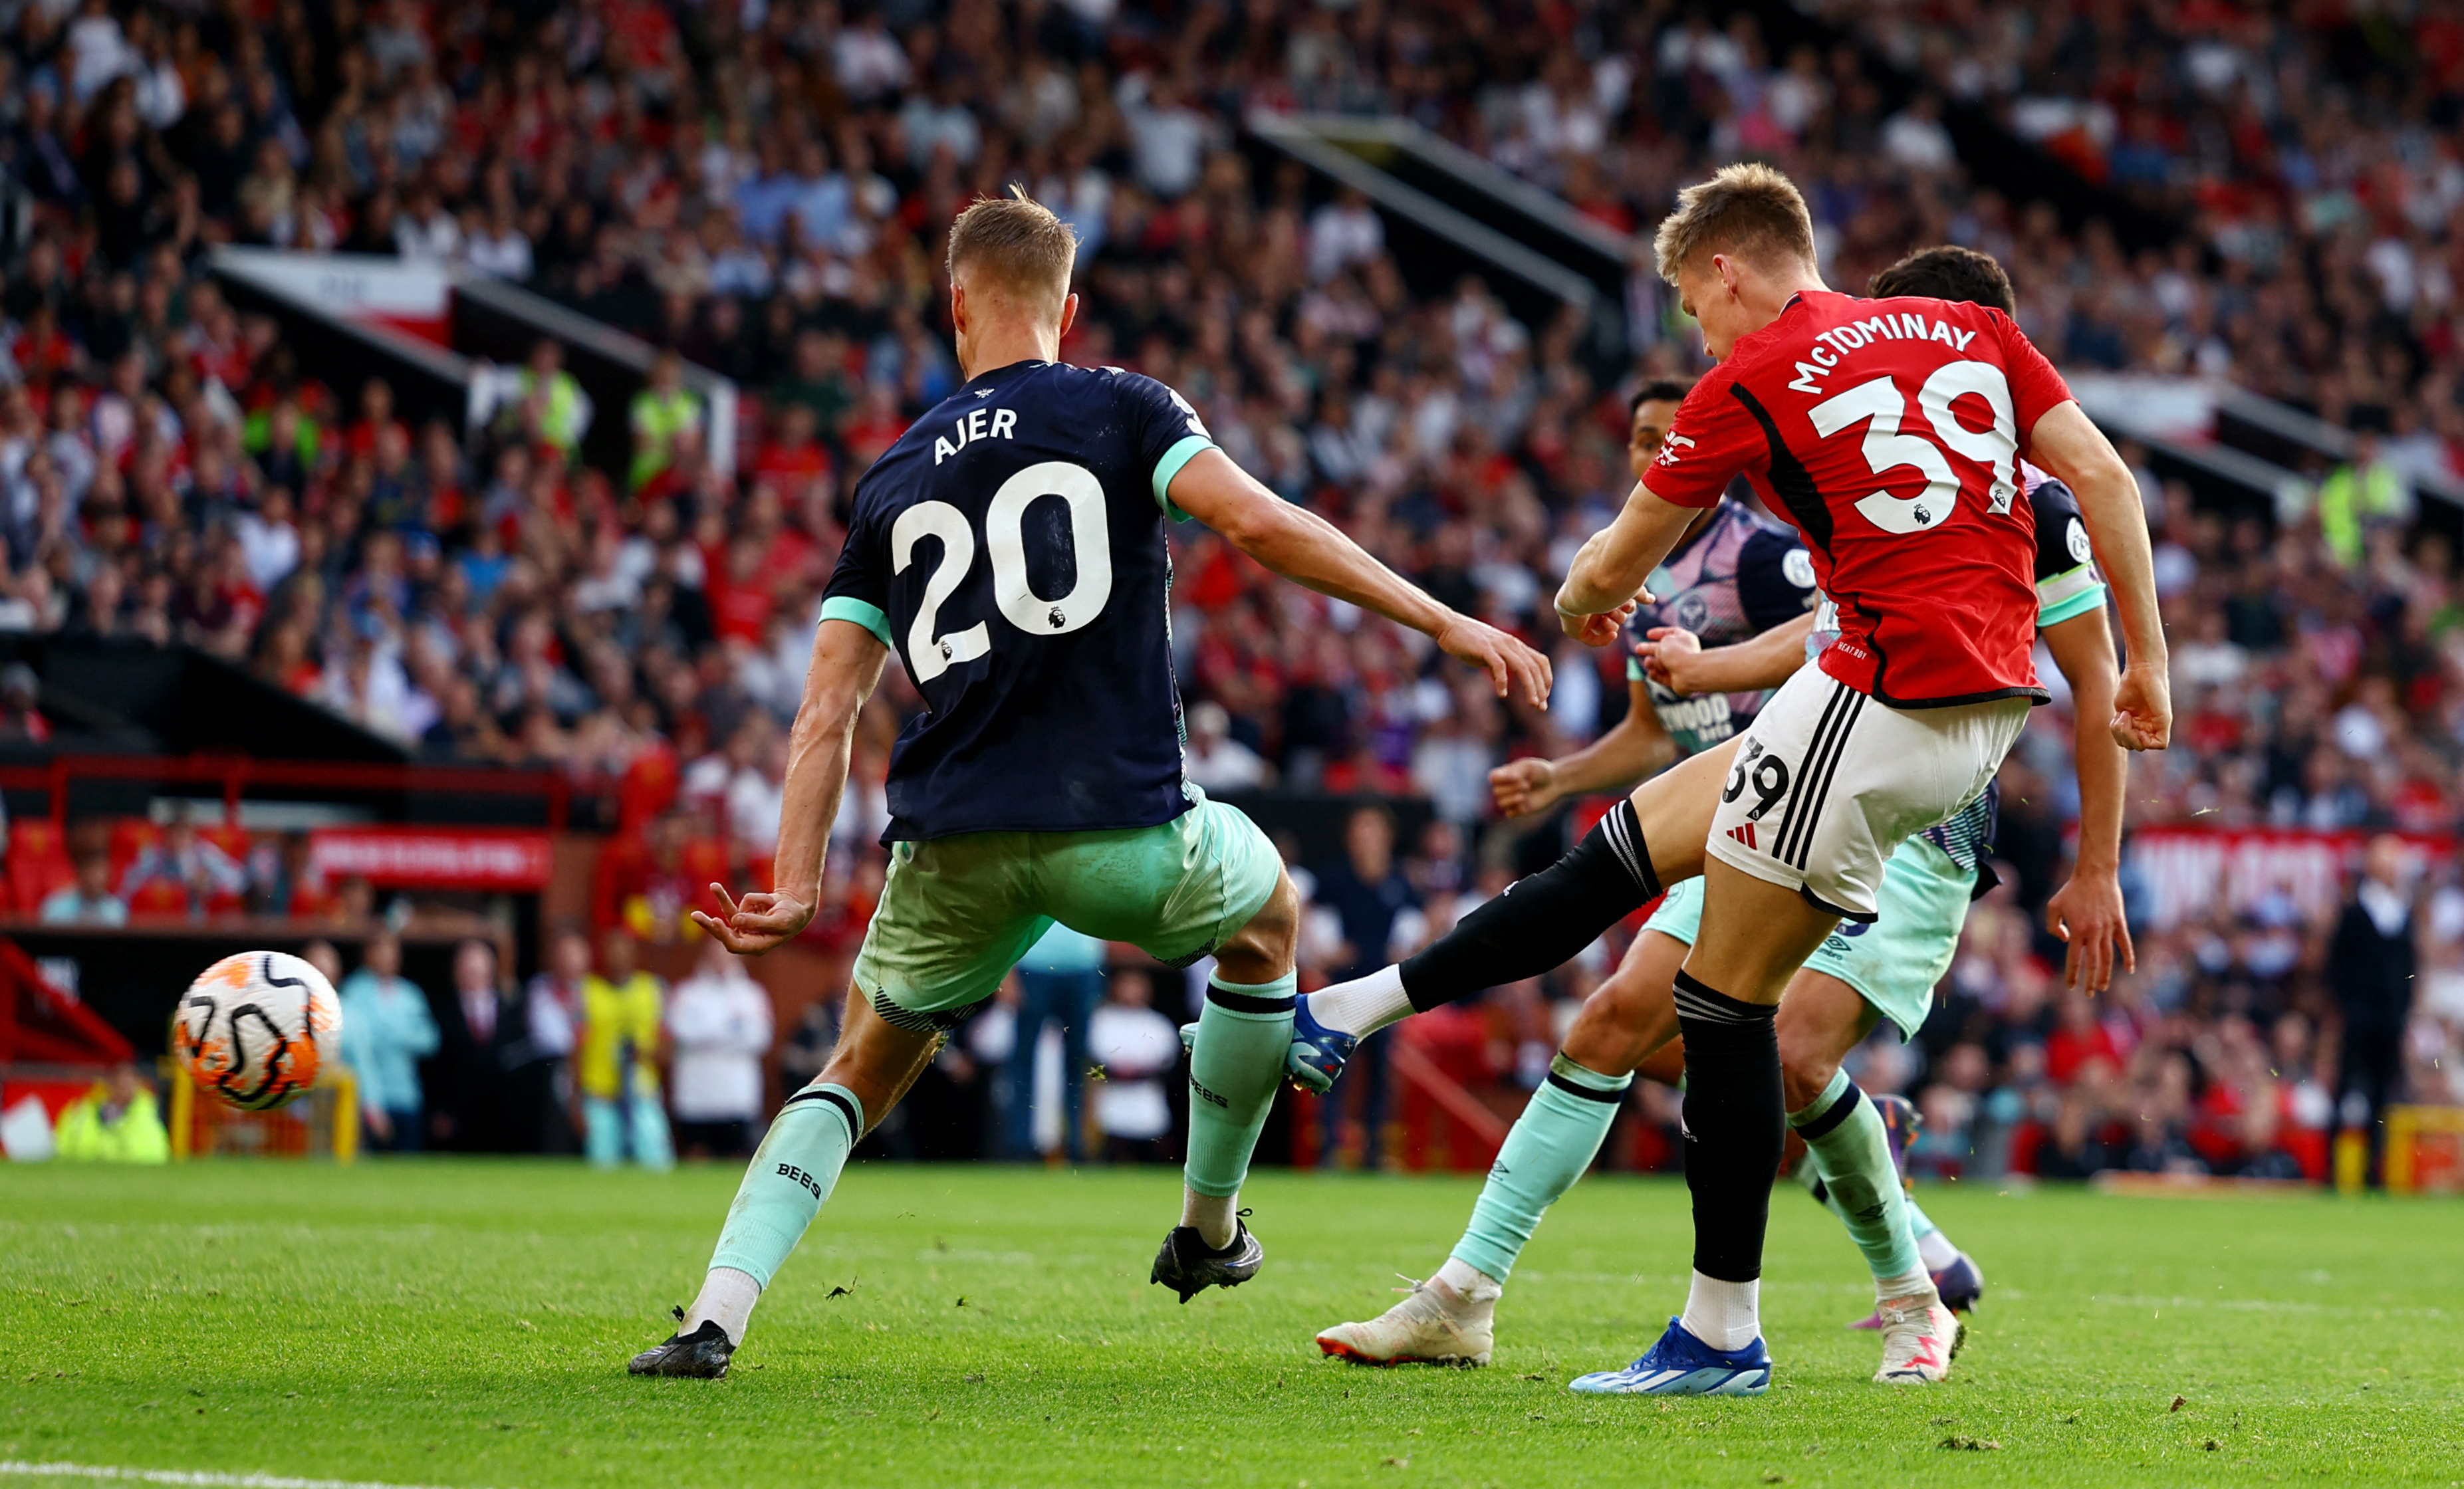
(958, 913)
(1893, 963)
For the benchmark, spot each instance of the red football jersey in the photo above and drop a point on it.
(1889, 432)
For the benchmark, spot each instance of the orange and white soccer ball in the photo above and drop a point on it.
(256, 1030)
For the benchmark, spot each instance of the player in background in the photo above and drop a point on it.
(1734, 575)
(1859, 977)
(1904, 722)
(1010, 547)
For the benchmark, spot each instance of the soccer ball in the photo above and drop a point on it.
(254, 1029)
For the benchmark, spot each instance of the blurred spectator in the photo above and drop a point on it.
(386, 1031)
(89, 900)
(1059, 980)
(480, 1097)
(1365, 896)
(552, 1011)
(181, 873)
(320, 955)
(284, 879)
(720, 1023)
(623, 1017)
(1215, 760)
(665, 418)
(2366, 494)
(21, 715)
(807, 1050)
(1134, 1047)
(550, 407)
(2370, 964)
(116, 1122)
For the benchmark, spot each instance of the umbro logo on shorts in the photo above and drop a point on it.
(1742, 832)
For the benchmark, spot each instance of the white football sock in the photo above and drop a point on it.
(1723, 1315)
(1937, 1250)
(1474, 1284)
(1912, 1284)
(1214, 1217)
(728, 1295)
(1364, 1005)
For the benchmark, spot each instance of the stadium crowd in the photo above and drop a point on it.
(762, 188)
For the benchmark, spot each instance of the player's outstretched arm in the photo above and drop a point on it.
(1306, 549)
(2087, 912)
(2066, 444)
(1676, 660)
(1609, 571)
(846, 664)
(1633, 748)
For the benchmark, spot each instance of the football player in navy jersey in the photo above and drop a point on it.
(1010, 549)
(1734, 574)
(1859, 977)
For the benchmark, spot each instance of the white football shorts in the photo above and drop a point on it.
(1827, 782)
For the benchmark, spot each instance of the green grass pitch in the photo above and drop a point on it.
(466, 1324)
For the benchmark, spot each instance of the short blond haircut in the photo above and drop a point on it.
(1017, 242)
(1747, 211)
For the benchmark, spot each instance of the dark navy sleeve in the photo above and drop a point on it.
(859, 587)
(2066, 578)
(1775, 580)
(1168, 434)
(2061, 535)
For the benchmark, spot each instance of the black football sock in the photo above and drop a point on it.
(1735, 1121)
(1541, 922)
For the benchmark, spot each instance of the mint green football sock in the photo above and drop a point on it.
(1845, 1140)
(1244, 1034)
(1550, 1145)
(792, 1172)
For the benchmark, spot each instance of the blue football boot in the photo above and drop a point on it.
(1681, 1365)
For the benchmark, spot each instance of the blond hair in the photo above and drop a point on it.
(1747, 211)
(1018, 243)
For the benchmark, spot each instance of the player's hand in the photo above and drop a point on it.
(1525, 786)
(1671, 657)
(2143, 707)
(756, 923)
(2087, 914)
(1512, 666)
(1600, 629)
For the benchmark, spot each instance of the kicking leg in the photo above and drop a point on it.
(1652, 839)
(792, 1172)
(1237, 1059)
(1448, 1318)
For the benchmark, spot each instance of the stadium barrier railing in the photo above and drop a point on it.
(236, 775)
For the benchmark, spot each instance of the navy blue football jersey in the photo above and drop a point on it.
(1739, 577)
(1010, 548)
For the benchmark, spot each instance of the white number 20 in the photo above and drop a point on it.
(1886, 448)
(930, 655)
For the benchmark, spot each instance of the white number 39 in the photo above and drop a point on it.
(1887, 449)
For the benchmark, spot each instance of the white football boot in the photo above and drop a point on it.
(1437, 1325)
(1920, 1336)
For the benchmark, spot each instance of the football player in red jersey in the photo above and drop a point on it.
(1889, 432)
(1912, 528)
